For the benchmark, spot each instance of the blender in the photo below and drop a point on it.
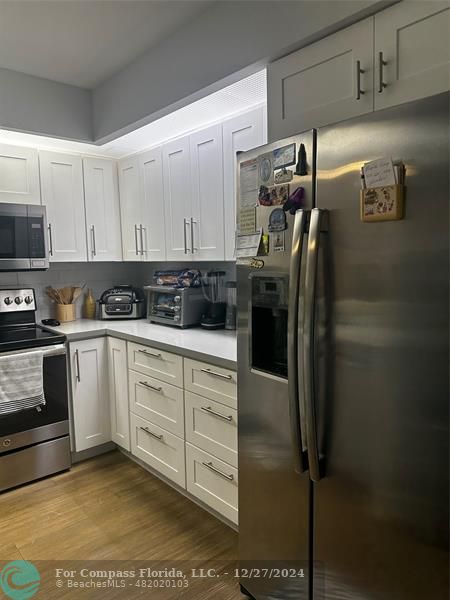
(213, 290)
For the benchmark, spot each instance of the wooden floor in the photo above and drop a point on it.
(110, 509)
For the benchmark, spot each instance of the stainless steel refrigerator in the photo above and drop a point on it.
(343, 371)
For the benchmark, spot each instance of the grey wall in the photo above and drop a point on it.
(223, 41)
(44, 107)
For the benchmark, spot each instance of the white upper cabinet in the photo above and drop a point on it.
(152, 234)
(130, 207)
(177, 199)
(19, 175)
(240, 134)
(207, 214)
(323, 83)
(62, 194)
(412, 52)
(102, 209)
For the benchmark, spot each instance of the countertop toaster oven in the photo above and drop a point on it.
(180, 307)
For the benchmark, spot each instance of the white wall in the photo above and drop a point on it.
(44, 107)
(222, 41)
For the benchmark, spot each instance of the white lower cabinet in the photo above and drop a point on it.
(212, 427)
(118, 392)
(157, 401)
(160, 449)
(212, 481)
(91, 416)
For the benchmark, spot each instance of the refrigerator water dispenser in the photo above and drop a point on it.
(269, 315)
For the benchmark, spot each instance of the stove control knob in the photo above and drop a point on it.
(18, 300)
(8, 301)
(176, 318)
(29, 299)
(177, 299)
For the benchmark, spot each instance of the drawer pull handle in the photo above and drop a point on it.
(216, 374)
(148, 353)
(151, 387)
(155, 435)
(209, 410)
(211, 467)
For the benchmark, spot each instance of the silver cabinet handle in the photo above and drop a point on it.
(151, 387)
(94, 248)
(185, 224)
(312, 261)
(209, 410)
(381, 64)
(143, 246)
(155, 435)
(295, 387)
(211, 467)
(77, 364)
(141, 235)
(216, 374)
(136, 239)
(359, 71)
(193, 248)
(50, 239)
(148, 353)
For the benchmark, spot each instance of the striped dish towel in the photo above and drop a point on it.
(21, 382)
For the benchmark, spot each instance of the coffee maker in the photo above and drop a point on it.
(213, 290)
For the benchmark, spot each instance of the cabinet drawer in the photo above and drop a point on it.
(159, 402)
(212, 427)
(212, 481)
(164, 366)
(158, 448)
(212, 382)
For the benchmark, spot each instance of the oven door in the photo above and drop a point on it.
(49, 421)
(165, 306)
(22, 237)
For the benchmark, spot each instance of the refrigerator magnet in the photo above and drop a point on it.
(284, 156)
(278, 241)
(265, 169)
(277, 220)
(275, 195)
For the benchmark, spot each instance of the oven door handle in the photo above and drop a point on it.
(56, 350)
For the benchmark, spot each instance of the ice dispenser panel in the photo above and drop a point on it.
(269, 315)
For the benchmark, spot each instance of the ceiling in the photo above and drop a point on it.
(228, 101)
(84, 42)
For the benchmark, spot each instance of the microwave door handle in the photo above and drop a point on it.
(312, 259)
(294, 386)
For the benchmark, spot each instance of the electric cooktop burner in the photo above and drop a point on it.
(16, 338)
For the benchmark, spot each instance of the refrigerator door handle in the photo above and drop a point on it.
(294, 389)
(312, 259)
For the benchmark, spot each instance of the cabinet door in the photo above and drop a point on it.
(153, 230)
(241, 133)
(177, 199)
(325, 82)
(412, 52)
(207, 216)
(19, 175)
(118, 392)
(62, 194)
(130, 207)
(90, 393)
(101, 197)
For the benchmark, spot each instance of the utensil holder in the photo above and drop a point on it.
(65, 312)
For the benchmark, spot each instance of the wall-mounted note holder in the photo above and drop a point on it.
(382, 203)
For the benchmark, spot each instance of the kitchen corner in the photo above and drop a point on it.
(218, 347)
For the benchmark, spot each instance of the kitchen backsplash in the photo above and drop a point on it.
(98, 276)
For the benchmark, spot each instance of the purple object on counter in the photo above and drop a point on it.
(295, 201)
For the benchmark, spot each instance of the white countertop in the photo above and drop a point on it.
(218, 347)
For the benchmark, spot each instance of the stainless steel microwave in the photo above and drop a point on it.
(23, 240)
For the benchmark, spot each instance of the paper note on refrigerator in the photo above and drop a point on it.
(248, 183)
(379, 173)
(247, 245)
(247, 220)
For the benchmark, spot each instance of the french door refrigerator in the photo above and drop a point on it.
(343, 372)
